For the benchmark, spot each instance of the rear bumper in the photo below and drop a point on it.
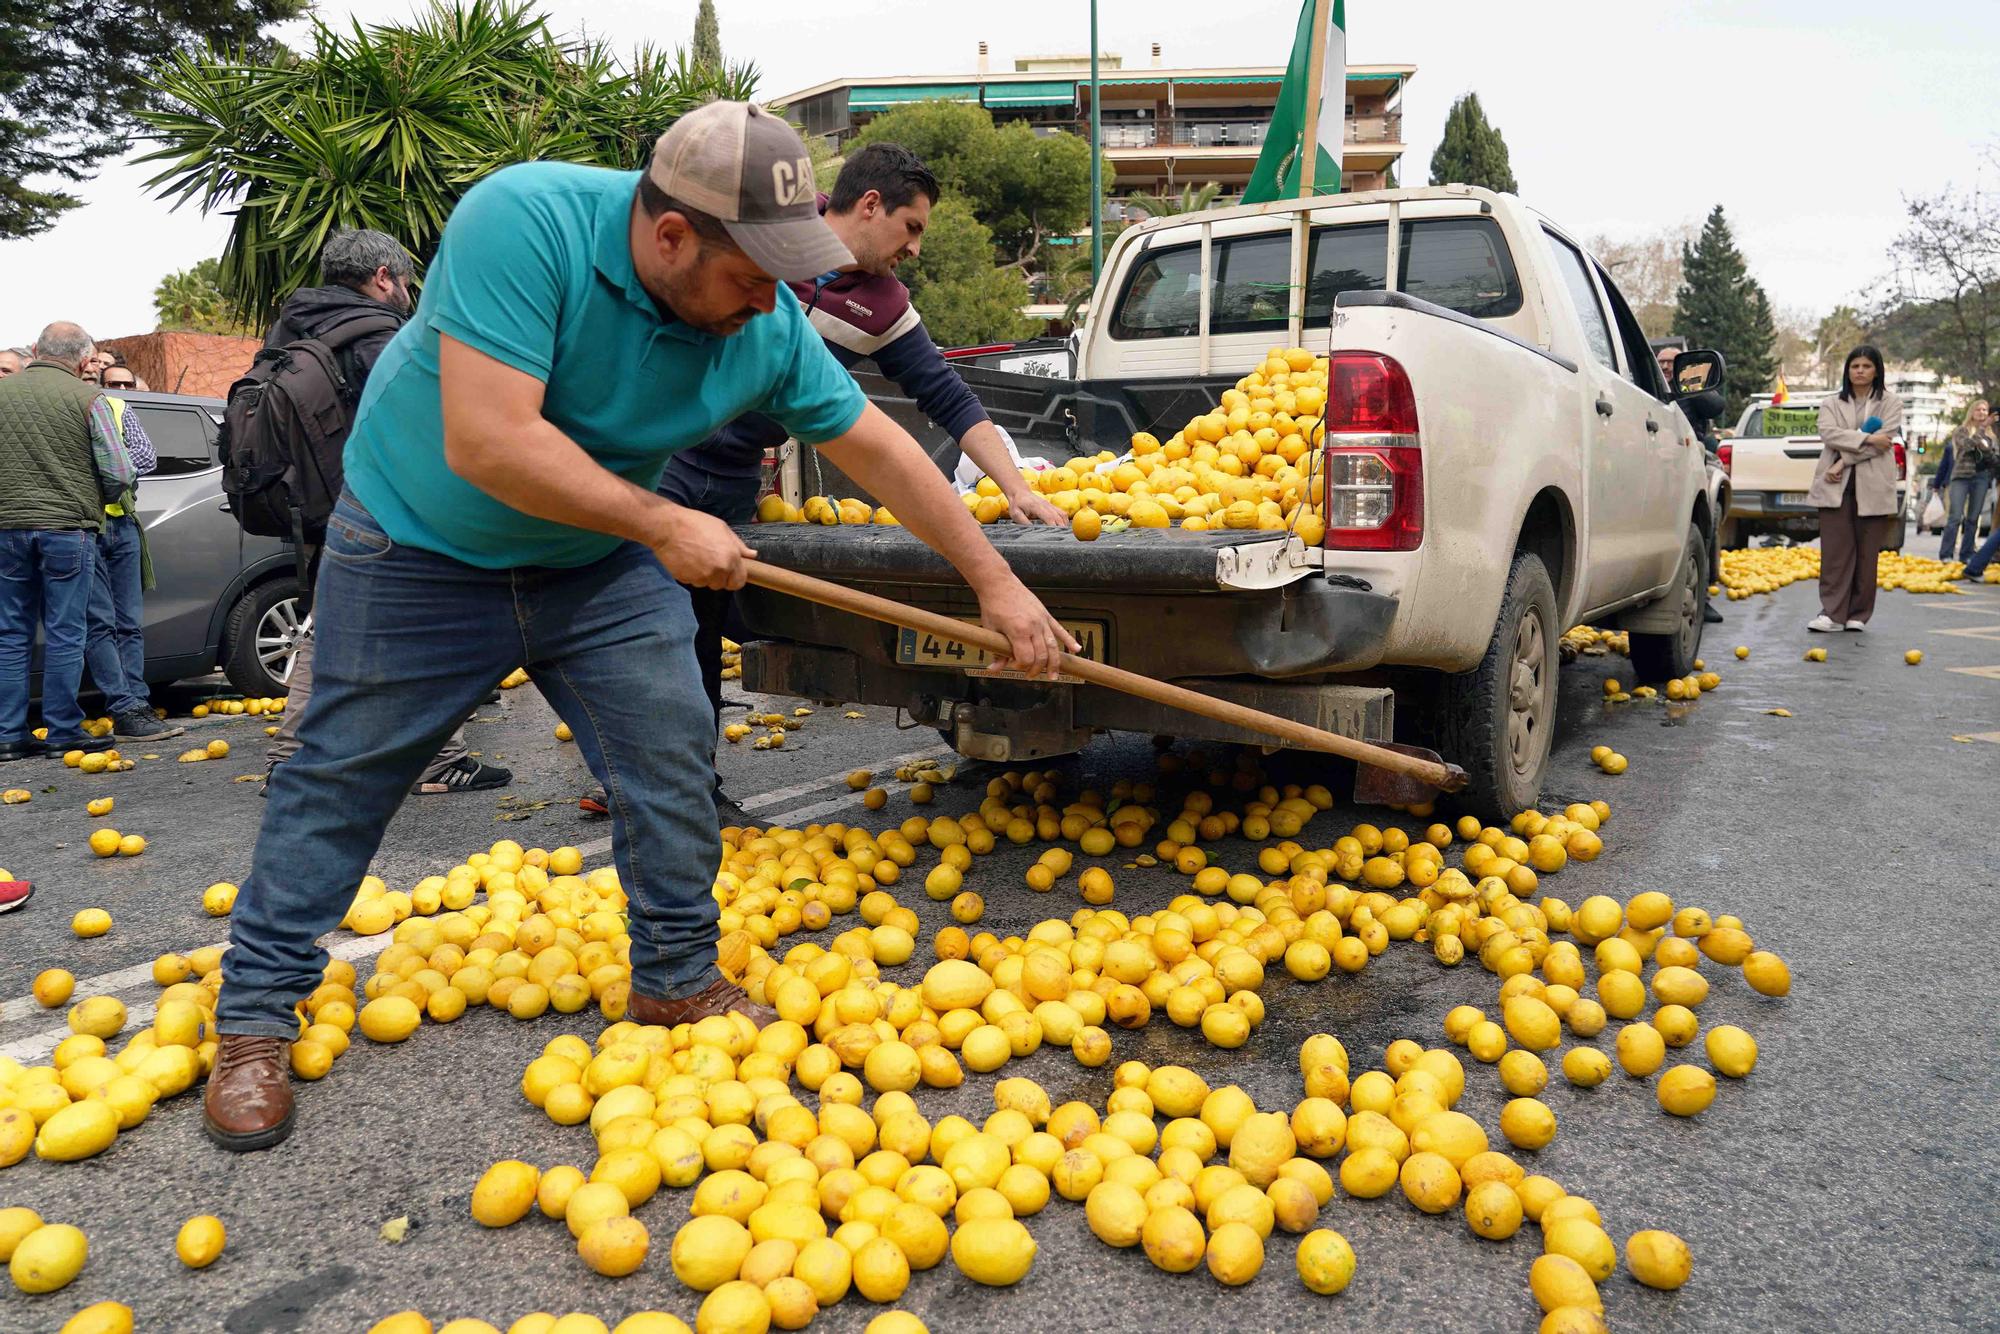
(1770, 511)
(1163, 600)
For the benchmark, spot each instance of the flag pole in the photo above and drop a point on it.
(1096, 159)
(1315, 81)
(1308, 159)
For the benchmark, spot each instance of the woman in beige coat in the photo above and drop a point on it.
(1854, 489)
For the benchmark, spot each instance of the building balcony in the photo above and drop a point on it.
(1188, 132)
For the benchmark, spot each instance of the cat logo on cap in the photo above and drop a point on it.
(792, 182)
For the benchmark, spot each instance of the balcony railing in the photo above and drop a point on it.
(1198, 134)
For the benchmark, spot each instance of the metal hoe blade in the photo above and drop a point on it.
(1384, 787)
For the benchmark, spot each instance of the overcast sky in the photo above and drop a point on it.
(1806, 119)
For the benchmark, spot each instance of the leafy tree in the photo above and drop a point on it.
(72, 79)
(1947, 283)
(964, 299)
(1472, 151)
(385, 127)
(707, 52)
(1191, 199)
(1024, 187)
(1720, 305)
(1648, 271)
(1833, 338)
(192, 300)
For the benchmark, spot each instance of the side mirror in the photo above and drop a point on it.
(1696, 372)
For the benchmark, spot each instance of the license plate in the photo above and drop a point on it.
(1791, 497)
(920, 648)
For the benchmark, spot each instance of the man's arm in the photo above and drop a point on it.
(496, 438)
(894, 468)
(138, 444)
(984, 446)
(115, 471)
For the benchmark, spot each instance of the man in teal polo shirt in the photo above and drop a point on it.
(577, 328)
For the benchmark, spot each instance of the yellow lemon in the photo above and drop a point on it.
(614, 1247)
(389, 1018)
(1658, 1259)
(709, 1251)
(16, 1222)
(505, 1193)
(1325, 1261)
(1686, 1090)
(200, 1241)
(91, 922)
(48, 1258)
(53, 987)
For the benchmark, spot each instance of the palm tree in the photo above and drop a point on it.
(193, 300)
(1191, 199)
(385, 127)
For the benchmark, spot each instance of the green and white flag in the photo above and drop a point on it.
(1277, 174)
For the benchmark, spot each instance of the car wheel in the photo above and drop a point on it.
(1899, 535)
(1661, 657)
(262, 637)
(1498, 719)
(1732, 535)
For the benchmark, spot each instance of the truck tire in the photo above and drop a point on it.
(1900, 534)
(262, 635)
(1734, 535)
(1661, 657)
(1498, 719)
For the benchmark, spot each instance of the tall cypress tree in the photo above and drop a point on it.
(707, 37)
(1720, 305)
(1472, 151)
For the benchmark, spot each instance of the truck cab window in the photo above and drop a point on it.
(1459, 263)
(1641, 368)
(1576, 279)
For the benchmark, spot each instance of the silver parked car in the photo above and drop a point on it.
(222, 599)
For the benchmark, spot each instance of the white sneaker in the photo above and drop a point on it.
(1823, 624)
(1857, 626)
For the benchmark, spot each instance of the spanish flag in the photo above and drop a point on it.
(1778, 395)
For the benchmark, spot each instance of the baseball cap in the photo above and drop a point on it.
(750, 170)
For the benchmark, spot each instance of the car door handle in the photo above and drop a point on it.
(1652, 426)
(1604, 408)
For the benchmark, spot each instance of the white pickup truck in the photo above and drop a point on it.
(1505, 457)
(1770, 462)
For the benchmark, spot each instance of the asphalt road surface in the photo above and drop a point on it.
(1851, 1183)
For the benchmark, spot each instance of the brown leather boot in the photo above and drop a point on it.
(719, 997)
(248, 1104)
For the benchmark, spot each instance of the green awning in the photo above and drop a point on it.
(883, 97)
(1060, 94)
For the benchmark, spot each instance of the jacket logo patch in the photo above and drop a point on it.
(860, 309)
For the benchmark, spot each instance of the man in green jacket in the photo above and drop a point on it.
(62, 457)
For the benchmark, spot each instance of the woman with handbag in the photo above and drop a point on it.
(1974, 455)
(1854, 490)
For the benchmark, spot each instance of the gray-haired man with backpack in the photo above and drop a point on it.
(366, 275)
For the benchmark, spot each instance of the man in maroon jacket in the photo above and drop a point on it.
(880, 207)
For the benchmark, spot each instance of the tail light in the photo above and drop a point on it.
(1373, 458)
(1902, 460)
(1726, 455)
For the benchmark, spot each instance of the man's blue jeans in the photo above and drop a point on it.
(1964, 503)
(45, 577)
(115, 651)
(1975, 569)
(409, 644)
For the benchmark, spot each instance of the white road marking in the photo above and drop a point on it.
(341, 945)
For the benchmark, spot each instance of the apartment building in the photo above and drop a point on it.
(1163, 128)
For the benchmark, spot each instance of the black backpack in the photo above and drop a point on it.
(283, 430)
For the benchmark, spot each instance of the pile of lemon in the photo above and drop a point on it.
(813, 1170)
(732, 660)
(1590, 641)
(228, 708)
(1248, 464)
(1746, 573)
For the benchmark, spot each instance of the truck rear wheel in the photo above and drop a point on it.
(1497, 720)
(1663, 656)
